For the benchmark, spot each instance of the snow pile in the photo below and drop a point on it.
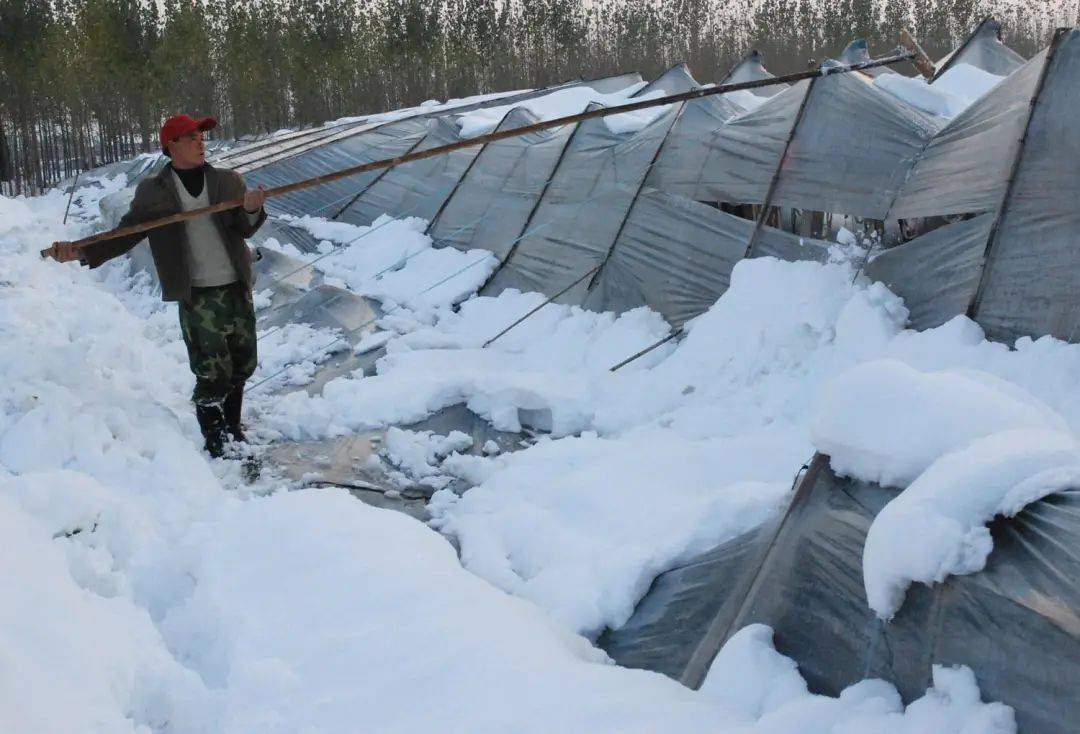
(393, 260)
(751, 678)
(560, 103)
(582, 525)
(419, 455)
(545, 368)
(631, 122)
(886, 422)
(949, 504)
(949, 95)
(292, 354)
(176, 601)
(694, 447)
(972, 446)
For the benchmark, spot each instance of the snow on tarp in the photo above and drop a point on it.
(547, 106)
(355, 145)
(1015, 622)
(492, 204)
(1029, 285)
(984, 50)
(949, 95)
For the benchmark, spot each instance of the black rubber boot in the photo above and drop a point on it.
(234, 401)
(212, 423)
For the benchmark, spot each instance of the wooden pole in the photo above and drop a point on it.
(481, 139)
(920, 60)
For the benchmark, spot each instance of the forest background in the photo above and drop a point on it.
(87, 82)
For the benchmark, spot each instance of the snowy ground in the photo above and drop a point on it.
(150, 589)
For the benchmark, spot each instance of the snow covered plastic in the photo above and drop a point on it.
(984, 50)
(1015, 623)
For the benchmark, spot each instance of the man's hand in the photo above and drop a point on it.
(254, 200)
(64, 252)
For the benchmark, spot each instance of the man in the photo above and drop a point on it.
(203, 264)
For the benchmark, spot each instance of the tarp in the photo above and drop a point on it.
(965, 168)
(490, 206)
(1015, 623)
(416, 189)
(676, 257)
(601, 171)
(937, 273)
(852, 149)
(751, 68)
(714, 158)
(1030, 283)
(386, 140)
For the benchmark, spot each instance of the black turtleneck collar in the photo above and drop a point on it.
(193, 178)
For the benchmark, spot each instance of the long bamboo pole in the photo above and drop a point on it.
(491, 137)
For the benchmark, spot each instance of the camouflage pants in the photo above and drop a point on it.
(219, 331)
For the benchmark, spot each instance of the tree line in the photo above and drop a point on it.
(87, 82)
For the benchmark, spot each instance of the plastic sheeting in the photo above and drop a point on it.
(751, 68)
(676, 256)
(492, 203)
(936, 274)
(416, 189)
(965, 167)
(711, 157)
(852, 149)
(984, 50)
(1015, 623)
(386, 140)
(601, 171)
(1030, 283)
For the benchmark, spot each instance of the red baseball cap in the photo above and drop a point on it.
(178, 126)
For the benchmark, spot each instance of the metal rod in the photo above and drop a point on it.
(491, 137)
(774, 182)
(647, 349)
(71, 195)
(530, 313)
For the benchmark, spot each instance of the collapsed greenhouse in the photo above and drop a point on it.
(968, 214)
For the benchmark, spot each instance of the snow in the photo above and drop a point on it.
(949, 94)
(562, 103)
(886, 422)
(424, 108)
(751, 678)
(393, 261)
(182, 600)
(949, 503)
(967, 445)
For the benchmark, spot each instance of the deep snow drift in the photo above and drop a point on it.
(146, 586)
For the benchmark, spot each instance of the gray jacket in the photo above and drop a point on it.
(156, 197)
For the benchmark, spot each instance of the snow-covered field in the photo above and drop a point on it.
(147, 588)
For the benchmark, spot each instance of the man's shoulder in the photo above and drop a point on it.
(230, 183)
(149, 190)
